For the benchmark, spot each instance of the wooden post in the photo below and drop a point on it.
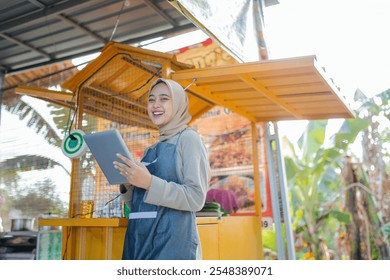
(256, 183)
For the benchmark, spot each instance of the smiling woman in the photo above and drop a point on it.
(160, 104)
(169, 185)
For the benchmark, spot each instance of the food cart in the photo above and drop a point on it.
(111, 93)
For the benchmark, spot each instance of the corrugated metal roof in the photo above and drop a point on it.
(36, 33)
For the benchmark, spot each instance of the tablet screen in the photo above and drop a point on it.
(104, 146)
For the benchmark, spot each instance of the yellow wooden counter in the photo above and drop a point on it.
(226, 238)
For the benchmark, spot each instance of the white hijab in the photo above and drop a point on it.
(180, 115)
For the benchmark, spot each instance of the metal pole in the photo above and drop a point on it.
(284, 198)
(274, 193)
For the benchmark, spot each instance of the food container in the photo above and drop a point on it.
(22, 224)
(86, 209)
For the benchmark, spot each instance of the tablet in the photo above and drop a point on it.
(104, 146)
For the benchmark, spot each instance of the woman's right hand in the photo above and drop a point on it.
(135, 172)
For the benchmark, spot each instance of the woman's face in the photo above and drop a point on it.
(160, 105)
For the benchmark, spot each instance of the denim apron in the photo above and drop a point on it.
(157, 232)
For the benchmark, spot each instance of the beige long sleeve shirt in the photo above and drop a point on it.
(192, 166)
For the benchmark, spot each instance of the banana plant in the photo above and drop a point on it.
(313, 176)
(325, 221)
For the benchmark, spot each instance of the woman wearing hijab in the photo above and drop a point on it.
(169, 185)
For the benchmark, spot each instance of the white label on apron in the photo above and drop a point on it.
(143, 215)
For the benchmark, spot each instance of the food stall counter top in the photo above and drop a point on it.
(106, 222)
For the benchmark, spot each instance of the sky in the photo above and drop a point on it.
(349, 38)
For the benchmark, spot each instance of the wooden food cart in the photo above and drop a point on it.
(110, 93)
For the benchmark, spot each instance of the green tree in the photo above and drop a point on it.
(368, 194)
(12, 168)
(321, 194)
(38, 199)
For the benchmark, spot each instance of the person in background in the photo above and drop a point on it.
(169, 185)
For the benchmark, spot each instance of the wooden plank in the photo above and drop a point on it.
(270, 96)
(240, 95)
(245, 68)
(299, 88)
(228, 86)
(327, 105)
(321, 109)
(272, 114)
(281, 80)
(112, 51)
(342, 114)
(200, 112)
(264, 108)
(215, 80)
(78, 222)
(256, 175)
(217, 75)
(253, 102)
(44, 93)
(274, 118)
(321, 73)
(206, 94)
(197, 107)
(309, 97)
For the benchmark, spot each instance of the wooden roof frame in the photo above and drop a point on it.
(273, 90)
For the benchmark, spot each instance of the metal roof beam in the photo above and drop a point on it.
(155, 8)
(71, 22)
(37, 3)
(4, 68)
(82, 28)
(25, 45)
(184, 28)
(60, 57)
(42, 13)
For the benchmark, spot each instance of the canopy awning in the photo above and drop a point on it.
(273, 90)
(115, 85)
